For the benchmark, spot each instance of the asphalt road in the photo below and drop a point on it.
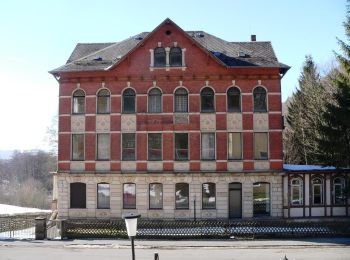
(170, 250)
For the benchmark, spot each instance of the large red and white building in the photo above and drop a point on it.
(171, 124)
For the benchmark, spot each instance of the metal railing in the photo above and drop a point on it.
(205, 229)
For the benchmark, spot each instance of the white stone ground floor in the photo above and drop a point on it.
(244, 195)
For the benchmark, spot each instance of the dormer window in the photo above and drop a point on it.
(167, 57)
(175, 57)
(159, 57)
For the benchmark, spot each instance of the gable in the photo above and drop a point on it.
(200, 48)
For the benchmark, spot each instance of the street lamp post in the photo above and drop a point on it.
(131, 227)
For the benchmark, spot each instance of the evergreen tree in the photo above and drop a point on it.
(301, 137)
(335, 138)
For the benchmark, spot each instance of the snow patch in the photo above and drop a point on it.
(13, 210)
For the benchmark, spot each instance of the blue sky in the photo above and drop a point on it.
(37, 36)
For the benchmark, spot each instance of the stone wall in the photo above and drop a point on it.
(142, 181)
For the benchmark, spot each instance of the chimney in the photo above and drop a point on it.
(253, 38)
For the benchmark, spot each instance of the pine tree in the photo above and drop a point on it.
(335, 139)
(301, 137)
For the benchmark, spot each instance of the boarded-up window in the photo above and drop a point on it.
(77, 195)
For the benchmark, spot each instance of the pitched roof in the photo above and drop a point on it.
(102, 56)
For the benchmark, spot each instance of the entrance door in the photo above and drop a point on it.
(235, 200)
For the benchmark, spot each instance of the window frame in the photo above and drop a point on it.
(97, 195)
(72, 147)
(214, 148)
(267, 147)
(126, 95)
(202, 96)
(187, 207)
(269, 211)
(75, 99)
(171, 62)
(150, 101)
(205, 207)
(300, 188)
(177, 96)
(228, 146)
(175, 148)
(98, 135)
(231, 95)
(122, 146)
(156, 59)
(161, 196)
(342, 185)
(129, 207)
(161, 147)
(257, 109)
(322, 190)
(108, 102)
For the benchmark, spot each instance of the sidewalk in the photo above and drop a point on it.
(161, 244)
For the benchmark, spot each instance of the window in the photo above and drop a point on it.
(159, 57)
(128, 147)
(259, 94)
(208, 146)
(103, 102)
(317, 191)
(234, 100)
(103, 196)
(155, 196)
(129, 196)
(79, 102)
(234, 146)
(181, 146)
(175, 57)
(339, 197)
(260, 146)
(103, 146)
(296, 194)
(129, 101)
(208, 196)
(155, 147)
(181, 100)
(77, 195)
(181, 196)
(207, 100)
(261, 199)
(155, 101)
(77, 147)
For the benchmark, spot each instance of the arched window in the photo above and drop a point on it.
(155, 101)
(79, 102)
(208, 195)
(181, 100)
(234, 100)
(261, 199)
(296, 194)
(77, 195)
(129, 101)
(339, 197)
(103, 101)
(103, 196)
(129, 196)
(175, 57)
(159, 57)
(182, 196)
(259, 94)
(207, 100)
(155, 196)
(317, 191)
